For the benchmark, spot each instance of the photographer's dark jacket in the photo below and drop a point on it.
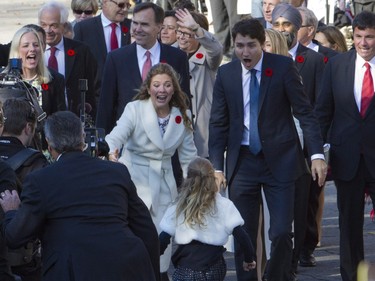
(9, 146)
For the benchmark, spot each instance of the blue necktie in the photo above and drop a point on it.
(254, 140)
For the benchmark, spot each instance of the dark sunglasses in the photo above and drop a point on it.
(122, 5)
(80, 12)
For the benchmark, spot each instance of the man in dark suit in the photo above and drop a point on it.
(310, 65)
(96, 32)
(307, 33)
(305, 37)
(346, 109)
(73, 59)
(123, 69)
(92, 224)
(256, 130)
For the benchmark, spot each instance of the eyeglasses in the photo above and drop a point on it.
(80, 12)
(185, 34)
(122, 5)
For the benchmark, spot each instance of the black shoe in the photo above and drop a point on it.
(164, 276)
(307, 260)
(293, 276)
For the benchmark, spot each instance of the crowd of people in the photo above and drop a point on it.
(256, 107)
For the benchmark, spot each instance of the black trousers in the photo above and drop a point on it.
(252, 173)
(350, 202)
(301, 200)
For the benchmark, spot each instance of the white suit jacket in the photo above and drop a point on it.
(146, 153)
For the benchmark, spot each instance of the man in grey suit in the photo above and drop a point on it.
(252, 122)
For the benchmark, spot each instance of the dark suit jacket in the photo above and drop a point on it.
(280, 90)
(53, 96)
(122, 79)
(91, 32)
(91, 222)
(79, 64)
(4, 54)
(326, 52)
(350, 135)
(310, 65)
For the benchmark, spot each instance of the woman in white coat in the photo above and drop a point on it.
(150, 130)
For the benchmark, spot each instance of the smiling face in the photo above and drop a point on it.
(29, 52)
(168, 31)
(144, 28)
(49, 20)
(186, 40)
(161, 91)
(248, 50)
(364, 42)
(113, 12)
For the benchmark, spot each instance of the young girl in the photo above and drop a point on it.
(201, 221)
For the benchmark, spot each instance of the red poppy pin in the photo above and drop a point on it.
(163, 61)
(300, 59)
(71, 52)
(268, 72)
(325, 59)
(199, 55)
(178, 119)
(124, 29)
(45, 87)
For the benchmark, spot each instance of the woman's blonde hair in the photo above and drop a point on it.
(198, 191)
(43, 74)
(179, 98)
(278, 42)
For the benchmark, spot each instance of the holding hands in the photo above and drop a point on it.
(247, 266)
(113, 156)
(9, 200)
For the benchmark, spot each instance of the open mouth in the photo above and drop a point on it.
(31, 58)
(161, 98)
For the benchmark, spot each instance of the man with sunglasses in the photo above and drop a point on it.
(104, 33)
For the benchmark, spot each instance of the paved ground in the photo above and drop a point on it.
(15, 13)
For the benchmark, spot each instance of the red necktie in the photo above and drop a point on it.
(52, 61)
(147, 65)
(367, 90)
(114, 42)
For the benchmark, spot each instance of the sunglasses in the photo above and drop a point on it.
(122, 5)
(80, 12)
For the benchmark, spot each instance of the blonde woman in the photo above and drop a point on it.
(201, 221)
(275, 43)
(28, 46)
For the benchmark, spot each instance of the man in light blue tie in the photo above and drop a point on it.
(251, 120)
